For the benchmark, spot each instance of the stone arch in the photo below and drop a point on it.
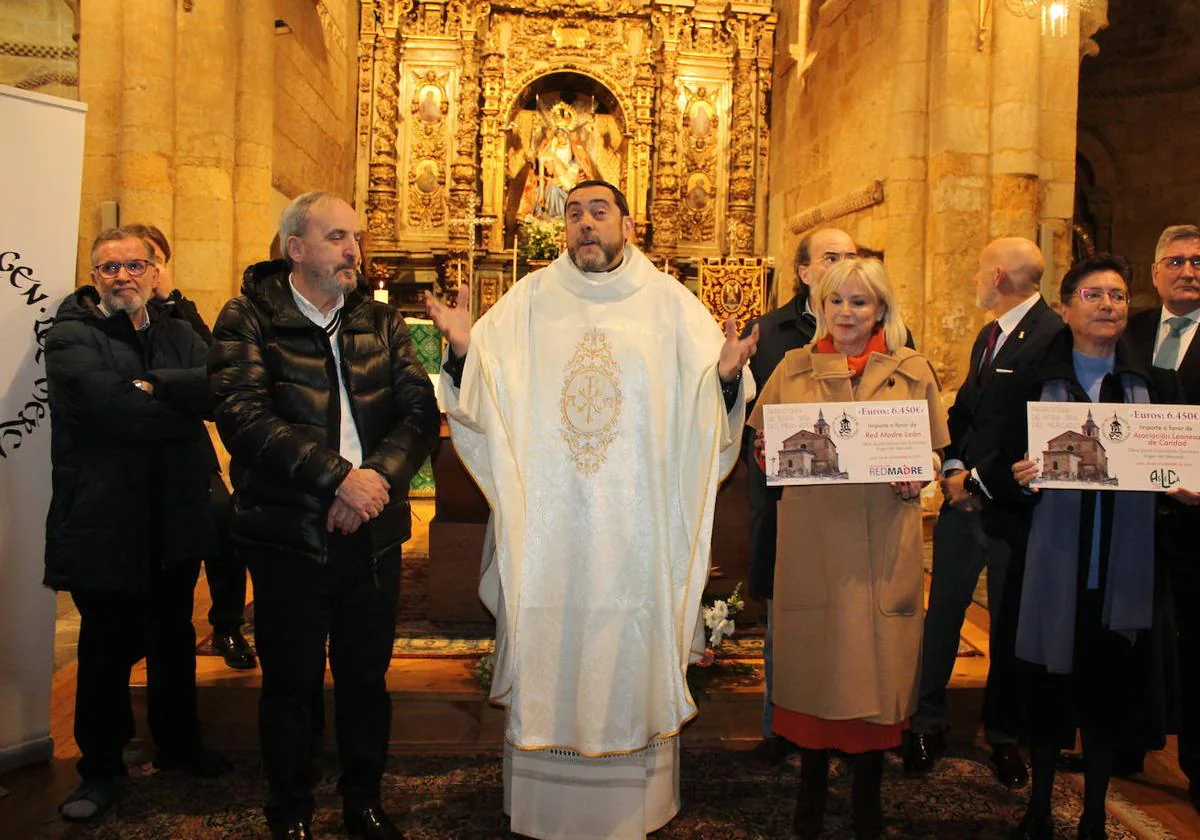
(1099, 177)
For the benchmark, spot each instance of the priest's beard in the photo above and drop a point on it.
(592, 261)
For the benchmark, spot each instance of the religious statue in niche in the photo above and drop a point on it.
(560, 142)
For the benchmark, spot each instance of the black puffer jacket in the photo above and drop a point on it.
(272, 375)
(129, 470)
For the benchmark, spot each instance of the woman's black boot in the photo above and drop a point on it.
(867, 797)
(814, 789)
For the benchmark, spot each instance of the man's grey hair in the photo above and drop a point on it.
(294, 219)
(1173, 234)
(119, 234)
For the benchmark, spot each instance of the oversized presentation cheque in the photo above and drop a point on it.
(850, 443)
(1115, 446)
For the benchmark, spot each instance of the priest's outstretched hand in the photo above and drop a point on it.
(735, 352)
(454, 322)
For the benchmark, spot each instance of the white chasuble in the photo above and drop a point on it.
(591, 416)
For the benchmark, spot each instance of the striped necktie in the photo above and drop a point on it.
(1168, 352)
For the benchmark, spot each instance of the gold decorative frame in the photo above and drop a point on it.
(733, 286)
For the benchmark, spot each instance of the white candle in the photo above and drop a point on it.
(380, 294)
(516, 240)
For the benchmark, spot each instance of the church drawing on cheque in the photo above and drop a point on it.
(1077, 456)
(809, 454)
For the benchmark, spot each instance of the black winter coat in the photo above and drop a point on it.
(272, 375)
(130, 470)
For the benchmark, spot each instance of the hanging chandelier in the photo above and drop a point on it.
(1055, 14)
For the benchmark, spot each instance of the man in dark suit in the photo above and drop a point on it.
(787, 328)
(1167, 336)
(1006, 349)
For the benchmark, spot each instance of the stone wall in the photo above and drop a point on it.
(37, 47)
(200, 116)
(924, 131)
(1138, 99)
(315, 76)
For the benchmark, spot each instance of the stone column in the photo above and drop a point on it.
(206, 78)
(1016, 61)
(145, 117)
(254, 132)
(958, 184)
(907, 194)
(100, 70)
(1059, 97)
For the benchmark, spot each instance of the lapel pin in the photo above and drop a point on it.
(1021, 335)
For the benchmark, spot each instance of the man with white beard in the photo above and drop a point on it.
(129, 519)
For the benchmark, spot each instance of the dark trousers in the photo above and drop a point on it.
(1179, 549)
(298, 604)
(226, 573)
(961, 551)
(117, 629)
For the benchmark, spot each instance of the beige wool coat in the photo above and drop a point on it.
(848, 601)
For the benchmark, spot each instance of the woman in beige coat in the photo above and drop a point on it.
(848, 577)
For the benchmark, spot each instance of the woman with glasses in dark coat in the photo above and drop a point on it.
(1087, 612)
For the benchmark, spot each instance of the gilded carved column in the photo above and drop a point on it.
(493, 149)
(764, 65)
(382, 171)
(464, 168)
(742, 147)
(643, 137)
(670, 25)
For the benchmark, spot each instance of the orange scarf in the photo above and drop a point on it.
(875, 344)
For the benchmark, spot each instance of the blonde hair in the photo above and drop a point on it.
(872, 274)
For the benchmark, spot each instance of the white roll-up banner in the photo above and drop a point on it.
(41, 171)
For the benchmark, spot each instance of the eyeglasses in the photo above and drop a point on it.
(1177, 263)
(1093, 295)
(112, 268)
(833, 257)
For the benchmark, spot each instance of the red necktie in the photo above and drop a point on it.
(985, 366)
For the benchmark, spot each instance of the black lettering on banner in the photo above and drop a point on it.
(37, 407)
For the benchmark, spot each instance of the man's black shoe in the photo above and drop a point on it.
(1033, 828)
(294, 830)
(1009, 765)
(371, 824)
(235, 649)
(922, 752)
(767, 754)
(203, 764)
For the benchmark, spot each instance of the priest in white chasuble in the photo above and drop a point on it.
(597, 405)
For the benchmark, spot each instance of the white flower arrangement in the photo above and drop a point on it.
(719, 617)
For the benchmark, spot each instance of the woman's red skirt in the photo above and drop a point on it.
(849, 736)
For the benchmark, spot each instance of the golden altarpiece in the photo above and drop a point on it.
(475, 117)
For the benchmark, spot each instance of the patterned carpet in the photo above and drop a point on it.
(442, 796)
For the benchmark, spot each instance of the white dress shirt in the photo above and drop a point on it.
(350, 446)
